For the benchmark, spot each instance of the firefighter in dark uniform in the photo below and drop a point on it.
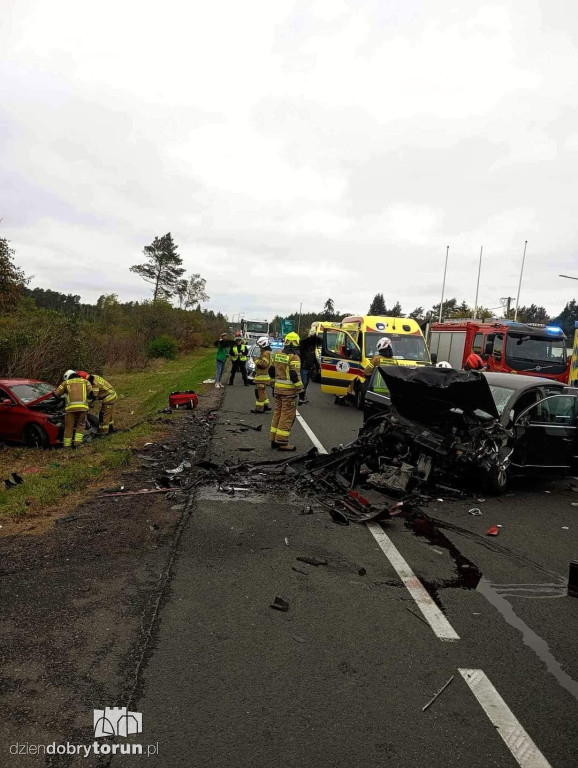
(238, 354)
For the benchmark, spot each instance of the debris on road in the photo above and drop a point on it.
(305, 573)
(245, 424)
(279, 604)
(493, 531)
(476, 511)
(441, 690)
(312, 561)
(421, 618)
(306, 511)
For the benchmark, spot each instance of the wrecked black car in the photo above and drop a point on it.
(540, 415)
(439, 429)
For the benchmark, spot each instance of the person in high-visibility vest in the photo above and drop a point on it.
(76, 392)
(238, 354)
(262, 377)
(285, 369)
(104, 395)
(383, 357)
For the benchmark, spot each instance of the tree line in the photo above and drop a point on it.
(453, 309)
(43, 332)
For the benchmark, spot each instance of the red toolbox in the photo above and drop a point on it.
(186, 399)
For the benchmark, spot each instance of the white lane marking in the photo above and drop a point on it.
(432, 614)
(515, 737)
(310, 433)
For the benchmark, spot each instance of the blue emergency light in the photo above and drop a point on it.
(553, 329)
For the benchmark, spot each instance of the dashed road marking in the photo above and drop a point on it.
(310, 433)
(432, 614)
(515, 737)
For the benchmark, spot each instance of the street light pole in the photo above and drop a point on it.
(520, 283)
(478, 285)
(444, 284)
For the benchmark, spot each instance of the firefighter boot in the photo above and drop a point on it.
(286, 447)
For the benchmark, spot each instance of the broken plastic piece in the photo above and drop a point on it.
(339, 517)
(493, 531)
(17, 479)
(312, 561)
(441, 690)
(475, 511)
(279, 604)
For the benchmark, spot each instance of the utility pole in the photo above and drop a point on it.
(520, 283)
(478, 285)
(299, 323)
(444, 284)
(507, 301)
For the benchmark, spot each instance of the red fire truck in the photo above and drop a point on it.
(504, 345)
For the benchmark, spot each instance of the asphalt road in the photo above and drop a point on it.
(341, 678)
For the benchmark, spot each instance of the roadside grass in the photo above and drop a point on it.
(55, 480)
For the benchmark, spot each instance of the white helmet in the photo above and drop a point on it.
(68, 374)
(383, 343)
(443, 364)
(263, 342)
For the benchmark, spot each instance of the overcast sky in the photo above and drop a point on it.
(295, 150)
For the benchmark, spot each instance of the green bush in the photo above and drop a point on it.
(163, 346)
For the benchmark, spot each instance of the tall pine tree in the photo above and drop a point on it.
(377, 306)
(163, 268)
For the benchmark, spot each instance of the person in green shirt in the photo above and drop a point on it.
(222, 345)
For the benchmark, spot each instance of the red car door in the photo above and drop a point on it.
(11, 417)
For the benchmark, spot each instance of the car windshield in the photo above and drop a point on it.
(255, 327)
(536, 349)
(26, 393)
(404, 347)
(501, 396)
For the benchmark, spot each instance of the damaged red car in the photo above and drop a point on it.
(30, 415)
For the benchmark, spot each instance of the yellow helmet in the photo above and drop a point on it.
(292, 339)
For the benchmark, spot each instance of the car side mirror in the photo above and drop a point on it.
(6, 402)
(355, 354)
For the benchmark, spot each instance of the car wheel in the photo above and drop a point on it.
(496, 481)
(35, 436)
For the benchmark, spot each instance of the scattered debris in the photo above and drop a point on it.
(306, 511)
(298, 639)
(293, 568)
(565, 528)
(17, 479)
(312, 561)
(177, 470)
(441, 690)
(279, 604)
(9, 483)
(286, 541)
(67, 519)
(475, 511)
(339, 517)
(493, 531)
(251, 426)
(421, 618)
(207, 465)
(362, 571)
(141, 492)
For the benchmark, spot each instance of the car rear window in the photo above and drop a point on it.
(26, 393)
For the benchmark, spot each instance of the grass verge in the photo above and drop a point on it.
(57, 479)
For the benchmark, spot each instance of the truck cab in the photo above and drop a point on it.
(505, 346)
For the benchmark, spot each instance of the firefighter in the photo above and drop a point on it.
(104, 395)
(383, 356)
(285, 368)
(238, 353)
(262, 377)
(474, 363)
(76, 392)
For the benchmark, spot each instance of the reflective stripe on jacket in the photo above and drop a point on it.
(262, 367)
(238, 352)
(375, 361)
(284, 364)
(76, 392)
(102, 390)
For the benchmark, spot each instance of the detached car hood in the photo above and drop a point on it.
(424, 394)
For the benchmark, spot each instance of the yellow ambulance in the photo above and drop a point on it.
(347, 350)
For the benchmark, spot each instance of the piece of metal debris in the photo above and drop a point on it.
(441, 690)
(293, 568)
(475, 511)
(279, 604)
(312, 561)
